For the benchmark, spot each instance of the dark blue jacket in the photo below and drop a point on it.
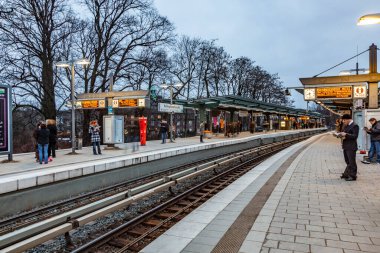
(43, 136)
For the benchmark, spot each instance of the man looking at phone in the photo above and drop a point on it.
(349, 145)
(374, 132)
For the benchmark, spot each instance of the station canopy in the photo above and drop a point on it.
(240, 103)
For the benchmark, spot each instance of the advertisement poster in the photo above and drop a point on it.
(4, 134)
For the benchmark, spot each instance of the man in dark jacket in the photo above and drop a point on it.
(374, 132)
(52, 138)
(349, 145)
(163, 130)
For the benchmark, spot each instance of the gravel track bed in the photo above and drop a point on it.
(102, 225)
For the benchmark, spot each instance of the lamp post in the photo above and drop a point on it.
(373, 90)
(71, 64)
(170, 86)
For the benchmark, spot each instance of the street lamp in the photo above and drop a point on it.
(170, 86)
(370, 19)
(71, 64)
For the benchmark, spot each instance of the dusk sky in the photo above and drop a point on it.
(294, 38)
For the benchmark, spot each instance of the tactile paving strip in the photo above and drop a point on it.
(236, 234)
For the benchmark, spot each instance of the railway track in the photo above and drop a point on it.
(61, 224)
(27, 218)
(135, 234)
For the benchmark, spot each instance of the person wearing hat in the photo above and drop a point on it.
(374, 132)
(349, 145)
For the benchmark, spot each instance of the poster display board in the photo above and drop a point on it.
(113, 129)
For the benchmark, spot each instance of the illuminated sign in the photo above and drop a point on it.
(131, 102)
(4, 123)
(91, 104)
(127, 102)
(343, 92)
(360, 91)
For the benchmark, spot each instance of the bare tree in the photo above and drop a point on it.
(31, 33)
(115, 39)
(184, 63)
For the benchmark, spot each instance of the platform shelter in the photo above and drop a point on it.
(249, 114)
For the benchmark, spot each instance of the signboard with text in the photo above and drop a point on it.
(131, 102)
(5, 134)
(90, 104)
(341, 92)
(163, 107)
(360, 91)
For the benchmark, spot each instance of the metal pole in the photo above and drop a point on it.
(10, 155)
(171, 114)
(73, 138)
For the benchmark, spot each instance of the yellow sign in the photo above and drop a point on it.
(334, 92)
(127, 102)
(90, 104)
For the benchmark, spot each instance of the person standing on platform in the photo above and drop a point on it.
(163, 131)
(350, 146)
(38, 127)
(202, 130)
(43, 143)
(52, 138)
(95, 136)
(374, 132)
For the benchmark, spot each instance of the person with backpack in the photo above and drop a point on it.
(374, 133)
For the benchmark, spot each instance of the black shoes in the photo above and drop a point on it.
(347, 178)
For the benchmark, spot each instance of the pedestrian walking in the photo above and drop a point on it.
(374, 133)
(95, 136)
(163, 130)
(52, 138)
(43, 142)
(202, 130)
(349, 145)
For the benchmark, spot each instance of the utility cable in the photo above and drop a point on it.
(342, 62)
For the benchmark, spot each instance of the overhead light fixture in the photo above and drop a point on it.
(370, 19)
(83, 61)
(62, 64)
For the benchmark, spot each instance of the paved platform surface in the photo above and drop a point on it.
(310, 210)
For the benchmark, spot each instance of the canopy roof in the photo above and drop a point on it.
(240, 103)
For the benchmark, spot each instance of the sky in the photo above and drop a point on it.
(294, 38)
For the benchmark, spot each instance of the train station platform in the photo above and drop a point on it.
(294, 201)
(25, 172)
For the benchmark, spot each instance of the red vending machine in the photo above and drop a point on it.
(142, 123)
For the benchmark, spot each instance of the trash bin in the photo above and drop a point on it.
(79, 143)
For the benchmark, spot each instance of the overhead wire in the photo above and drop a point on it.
(342, 62)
